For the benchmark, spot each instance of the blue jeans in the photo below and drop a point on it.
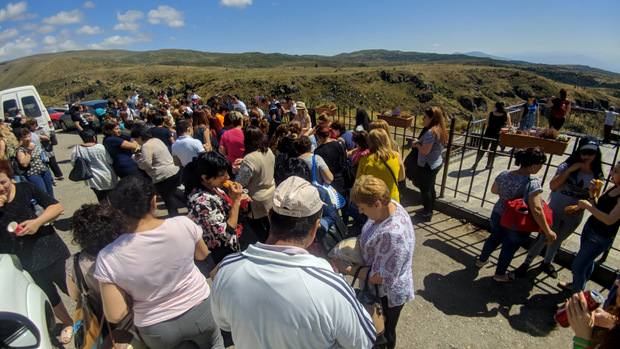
(592, 246)
(509, 239)
(43, 181)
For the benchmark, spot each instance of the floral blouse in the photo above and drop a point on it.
(210, 210)
(388, 249)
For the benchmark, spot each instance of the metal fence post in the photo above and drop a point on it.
(447, 161)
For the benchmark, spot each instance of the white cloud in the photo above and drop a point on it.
(13, 12)
(128, 20)
(437, 45)
(18, 48)
(58, 46)
(117, 40)
(166, 15)
(236, 3)
(173, 38)
(9, 33)
(88, 30)
(46, 29)
(65, 17)
(89, 4)
(55, 40)
(30, 26)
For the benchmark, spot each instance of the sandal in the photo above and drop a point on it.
(481, 264)
(566, 286)
(66, 334)
(504, 278)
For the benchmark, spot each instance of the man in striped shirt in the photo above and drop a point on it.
(277, 295)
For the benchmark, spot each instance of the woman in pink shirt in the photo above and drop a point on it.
(231, 144)
(154, 267)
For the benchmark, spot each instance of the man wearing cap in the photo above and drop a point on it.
(277, 295)
(610, 120)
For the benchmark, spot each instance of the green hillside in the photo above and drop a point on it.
(463, 86)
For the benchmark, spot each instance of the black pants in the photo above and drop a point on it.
(391, 320)
(53, 164)
(485, 146)
(172, 196)
(426, 184)
(556, 122)
(47, 279)
(102, 195)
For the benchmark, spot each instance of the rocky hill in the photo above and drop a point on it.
(464, 86)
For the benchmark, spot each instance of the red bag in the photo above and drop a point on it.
(517, 216)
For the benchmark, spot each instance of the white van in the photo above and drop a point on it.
(27, 99)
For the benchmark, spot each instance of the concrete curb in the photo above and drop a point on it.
(480, 217)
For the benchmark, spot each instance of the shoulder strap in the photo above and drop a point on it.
(357, 273)
(77, 271)
(313, 169)
(391, 172)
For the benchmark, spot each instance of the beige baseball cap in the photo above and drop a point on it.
(296, 197)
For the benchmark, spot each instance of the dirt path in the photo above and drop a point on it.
(457, 305)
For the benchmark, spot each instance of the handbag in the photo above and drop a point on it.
(337, 200)
(517, 216)
(87, 328)
(81, 169)
(336, 233)
(371, 303)
(350, 172)
(411, 162)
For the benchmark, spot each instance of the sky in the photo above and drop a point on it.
(542, 31)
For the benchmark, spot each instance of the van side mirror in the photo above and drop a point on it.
(18, 332)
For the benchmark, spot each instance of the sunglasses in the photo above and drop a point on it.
(588, 152)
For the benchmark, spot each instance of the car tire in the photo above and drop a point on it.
(63, 126)
(56, 124)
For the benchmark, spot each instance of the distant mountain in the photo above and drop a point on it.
(463, 84)
(481, 55)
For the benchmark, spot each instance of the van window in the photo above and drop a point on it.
(10, 106)
(31, 108)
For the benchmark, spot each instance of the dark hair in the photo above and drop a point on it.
(500, 107)
(294, 127)
(199, 117)
(361, 118)
(361, 138)
(254, 140)
(292, 167)
(562, 94)
(132, 196)
(597, 164)
(302, 145)
(108, 127)
(141, 131)
(211, 164)
(88, 135)
(31, 122)
(158, 120)
(322, 131)
(292, 228)
(6, 168)
(182, 127)
(22, 132)
(530, 156)
(95, 226)
(339, 126)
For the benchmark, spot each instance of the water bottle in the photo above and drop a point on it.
(38, 210)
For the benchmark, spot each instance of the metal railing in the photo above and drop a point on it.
(468, 142)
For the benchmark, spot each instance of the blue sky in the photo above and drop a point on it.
(564, 32)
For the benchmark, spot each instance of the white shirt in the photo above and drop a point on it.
(610, 117)
(186, 148)
(242, 106)
(280, 297)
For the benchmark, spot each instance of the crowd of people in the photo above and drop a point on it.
(263, 187)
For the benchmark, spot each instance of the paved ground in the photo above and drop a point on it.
(457, 305)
